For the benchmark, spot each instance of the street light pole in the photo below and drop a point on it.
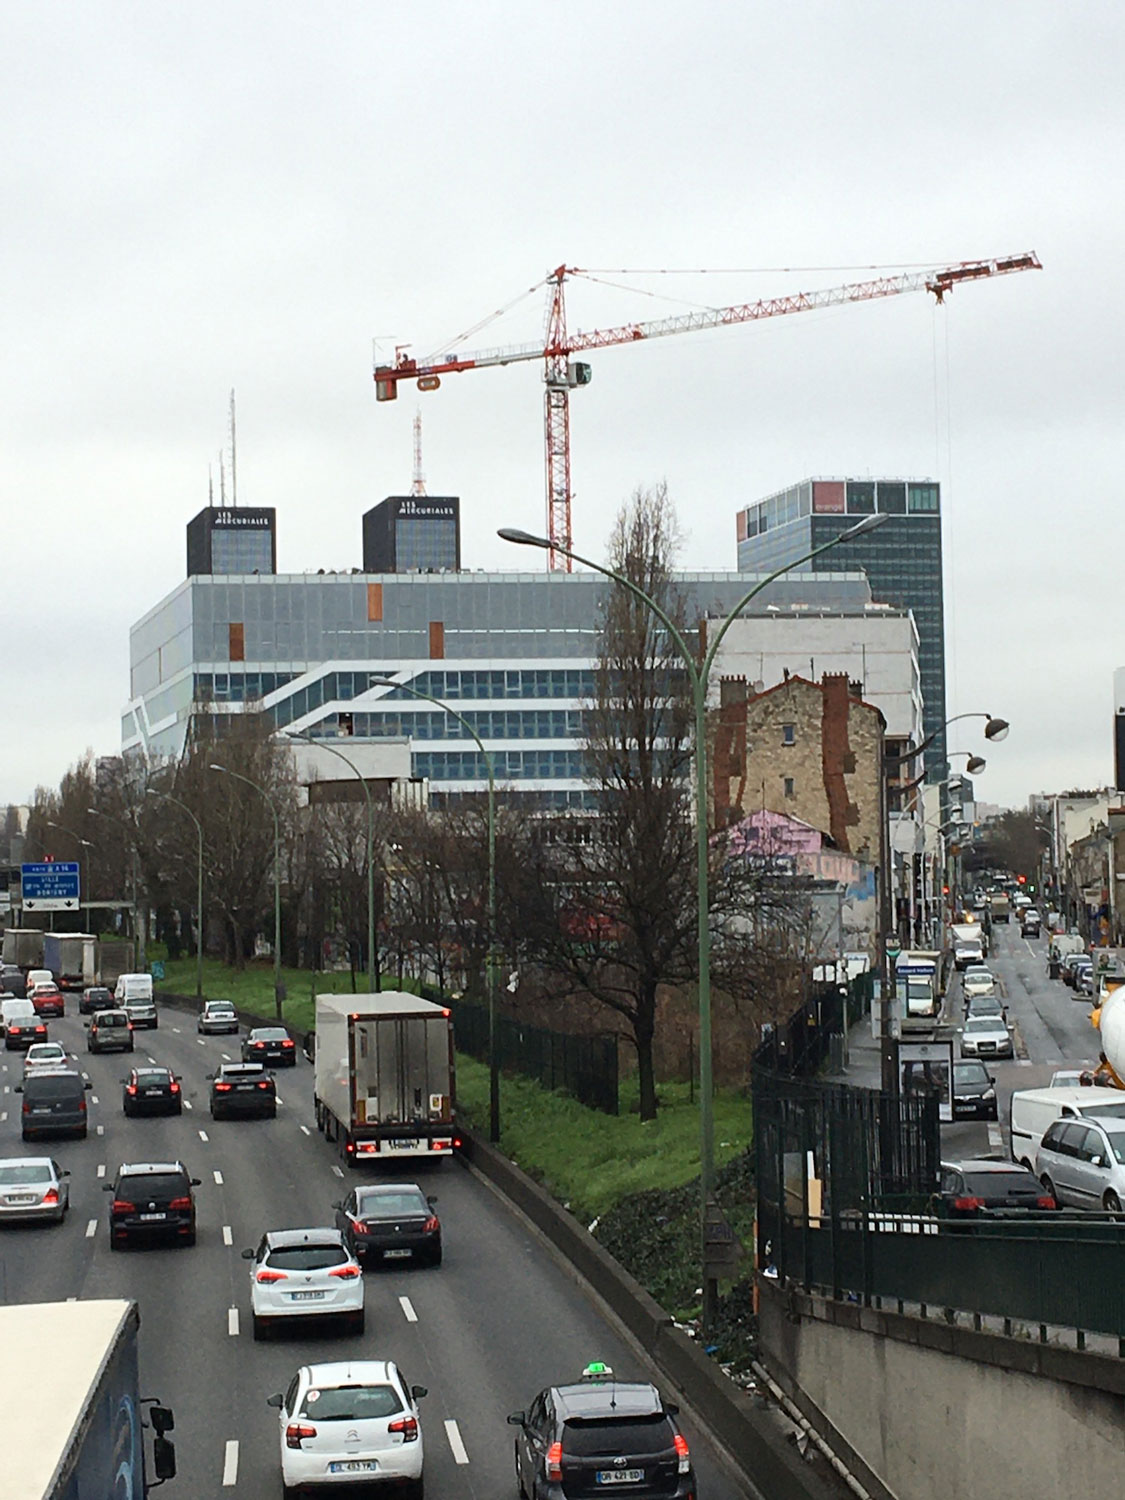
(698, 675)
(372, 964)
(225, 771)
(151, 791)
(86, 844)
(138, 927)
(490, 963)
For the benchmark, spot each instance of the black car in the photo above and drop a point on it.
(152, 1091)
(242, 1089)
(96, 998)
(270, 1044)
(599, 1434)
(990, 1189)
(974, 1092)
(13, 981)
(152, 1200)
(54, 1103)
(394, 1221)
(22, 1031)
(109, 1031)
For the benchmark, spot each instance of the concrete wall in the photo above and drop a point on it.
(931, 1411)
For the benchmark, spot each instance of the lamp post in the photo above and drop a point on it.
(698, 674)
(490, 965)
(86, 844)
(225, 771)
(151, 791)
(372, 965)
(131, 833)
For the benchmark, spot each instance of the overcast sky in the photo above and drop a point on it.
(203, 197)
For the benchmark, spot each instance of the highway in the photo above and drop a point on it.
(500, 1319)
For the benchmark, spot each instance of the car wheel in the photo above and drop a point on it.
(272, 1114)
(189, 1239)
(358, 1322)
(435, 1257)
(290, 1491)
(519, 1476)
(1048, 1187)
(1112, 1202)
(416, 1489)
(261, 1328)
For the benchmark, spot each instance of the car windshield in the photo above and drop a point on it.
(351, 1403)
(617, 1436)
(967, 1073)
(983, 1023)
(390, 1205)
(26, 1172)
(311, 1257)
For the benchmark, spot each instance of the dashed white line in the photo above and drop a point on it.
(101, 1169)
(72, 1299)
(225, 1056)
(101, 1130)
(176, 1029)
(337, 1170)
(408, 1309)
(452, 1432)
(91, 1229)
(3, 1115)
(85, 1074)
(279, 1099)
(232, 1321)
(230, 1463)
(188, 1104)
(306, 1130)
(218, 1176)
(93, 1098)
(228, 1237)
(203, 1135)
(150, 1059)
(995, 1139)
(201, 1041)
(7, 1088)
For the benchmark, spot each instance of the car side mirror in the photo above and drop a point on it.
(671, 1408)
(277, 1400)
(1096, 1161)
(431, 1201)
(248, 1254)
(518, 1418)
(418, 1391)
(991, 1079)
(86, 1025)
(210, 1077)
(107, 1187)
(65, 1172)
(18, 1089)
(340, 1206)
(195, 1181)
(164, 1459)
(87, 1084)
(162, 1419)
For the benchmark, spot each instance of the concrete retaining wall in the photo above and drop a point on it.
(926, 1411)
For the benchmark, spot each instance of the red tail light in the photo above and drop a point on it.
(554, 1464)
(130, 1088)
(82, 1104)
(966, 1205)
(259, 1046)
(26, 1107)
(123, 1206)
(683, 1453)
(174, 1087)
(263, 1083)
(287, 1044)
(180, 1203)
(222, 1088)
(1045, 1202)
(265, 1276)
(346, 1273)
(296, 1431)
(408, 1426)
(432, 1225)
(50, 1197)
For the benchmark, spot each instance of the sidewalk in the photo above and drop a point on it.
(863, 1065)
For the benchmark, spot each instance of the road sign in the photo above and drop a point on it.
(157, 969)
(51, 886)
(894, 947)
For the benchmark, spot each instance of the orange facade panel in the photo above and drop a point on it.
(437, 640)
(374, 601)
(237, 637)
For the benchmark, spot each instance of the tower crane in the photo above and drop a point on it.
(561, 374)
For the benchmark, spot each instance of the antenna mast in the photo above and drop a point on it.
(418, 484)
(233, 455)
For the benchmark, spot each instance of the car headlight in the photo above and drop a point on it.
(989, 1094)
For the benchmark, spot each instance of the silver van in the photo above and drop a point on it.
(1034, 1111)
(1082, 1162)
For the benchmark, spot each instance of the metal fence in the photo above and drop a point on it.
(585, 1066)
(801, 1045)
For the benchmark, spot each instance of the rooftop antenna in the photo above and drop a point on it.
(418, 483)
(233, 455)
(222, 480)
(210, 487)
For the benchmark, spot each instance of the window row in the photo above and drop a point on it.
(507, 765)
(238, 687)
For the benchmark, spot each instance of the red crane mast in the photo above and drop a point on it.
(561, 374)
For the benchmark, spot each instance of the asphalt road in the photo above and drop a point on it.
(484, 1332)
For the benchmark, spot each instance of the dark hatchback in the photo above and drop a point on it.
(600, 1435)
(96, 998)
(110, 1031)
(152, 1200)
(13, 981)
(974, 1092)
(54, 1103)
(152, 1091)
(990, 1189)
(242, 1089)
(270, 1044)
(20, 1033)
(390, 1222)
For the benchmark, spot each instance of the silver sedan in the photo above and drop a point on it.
(33, 1187)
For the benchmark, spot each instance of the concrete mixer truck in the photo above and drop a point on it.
(1109, 1019)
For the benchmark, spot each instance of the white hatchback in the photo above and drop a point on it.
(349, 1423)
(45, 1055)
(304, 1273)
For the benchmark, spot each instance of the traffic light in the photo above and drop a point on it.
(1021, 879)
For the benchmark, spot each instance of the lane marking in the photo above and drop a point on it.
(218, 1176)
(995, 1139)
(84, 1073)
(452, 1432)
(306, 1129)
(225, 1056)
(176, 1029)
(101, 1130)
(93, 1098)
(228, 1237)
(338, 1171)
(408, 1309)
(203, 1135)
(232, 1322)
(279, 1099)
(201, 1041)
(230, 1463)
(3, 1115)
(101, 1169)
(151, 1059)
(188, 1104)
(91, 1229)
(7, 1088)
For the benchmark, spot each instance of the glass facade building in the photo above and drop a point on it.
(235, 539)
(902, 560)
(413, 534)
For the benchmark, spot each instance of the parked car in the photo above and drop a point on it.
(1070, 963)
(597, 1433)
(96, 997)
(986, 1036)
(33, 1187)
(152, 1200)
(390, 1221)
(974, 1091)
(1082, 1162)
(109, 1031)
(216, 1017)
(242, 1089)
(54, 1103)
(141, 1012)
(270, 1044)
(152, 1091)
(990, 1189)
(47, 999)
(351, 1420)
(304, 1273)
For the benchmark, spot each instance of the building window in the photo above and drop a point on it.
(789, 734)
(790, 790)
(922, 497)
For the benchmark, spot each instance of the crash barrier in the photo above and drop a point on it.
(801, 1045)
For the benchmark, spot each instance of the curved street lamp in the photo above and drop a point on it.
(698, 674)
(225, 771)
(151, 791)
(995, 730)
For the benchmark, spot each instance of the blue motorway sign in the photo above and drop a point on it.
(54, 880)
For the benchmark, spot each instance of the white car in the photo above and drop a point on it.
(977, 982)
(986, 1036)
(303, 1273)
(347, 1422)
(45, 1055)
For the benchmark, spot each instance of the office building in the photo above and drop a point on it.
(902, 560)
(413, 534)
(232, 540)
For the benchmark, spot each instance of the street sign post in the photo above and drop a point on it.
(51, 886)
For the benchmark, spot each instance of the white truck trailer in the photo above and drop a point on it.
(384, 1076)
(71, 958)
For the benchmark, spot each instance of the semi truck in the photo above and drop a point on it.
(384, 1078)
(82, 1423)
(24, 946)
(71, 958)
(115, 956)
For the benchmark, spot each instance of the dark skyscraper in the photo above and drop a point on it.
(902, 560)
(413, 534)
(241, 539)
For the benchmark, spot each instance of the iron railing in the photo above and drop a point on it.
(585, 1066)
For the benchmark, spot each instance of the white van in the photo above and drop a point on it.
(37, 976)
(135, 987)
(1034, 1110)
(1063, 943)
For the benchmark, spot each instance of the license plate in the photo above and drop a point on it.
(354, 1466)
(407, 1145)
(305, 1296)
(22, 1198)
(151, 1093)
(397, 1254)
(41, 1109)
(620, 1476)
(152, 1218)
